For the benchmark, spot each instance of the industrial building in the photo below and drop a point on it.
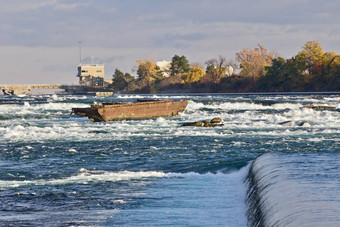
(91, 75)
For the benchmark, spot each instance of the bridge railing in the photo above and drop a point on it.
(25, 88)
(3, 86)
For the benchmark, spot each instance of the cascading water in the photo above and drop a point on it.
(58, 169)
(294, 190)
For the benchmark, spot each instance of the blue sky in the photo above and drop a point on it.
(39, 39)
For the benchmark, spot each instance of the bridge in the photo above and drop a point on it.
(14, 89)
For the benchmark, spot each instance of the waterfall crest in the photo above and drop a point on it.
(294, 190)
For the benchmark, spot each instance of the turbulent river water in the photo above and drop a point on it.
(58, 169)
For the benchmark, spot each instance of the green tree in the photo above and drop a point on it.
(275, 75)
(117, 74)
(210, 69)
(179, 65)
(120, 80)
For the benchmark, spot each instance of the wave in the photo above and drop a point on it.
(249, 114)
(86, 176)
(240, 114)
(81, 129)
(29, 111)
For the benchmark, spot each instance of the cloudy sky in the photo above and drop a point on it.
(39, 39)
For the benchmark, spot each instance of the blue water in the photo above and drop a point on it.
(58, 169)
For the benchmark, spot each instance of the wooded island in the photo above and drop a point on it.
(253, 70)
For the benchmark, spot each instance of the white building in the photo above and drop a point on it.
(229, 70)
(164, 66)
(91, 74)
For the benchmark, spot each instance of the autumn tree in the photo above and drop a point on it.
(253, 61)
(195, 74)
(147, 69)
(216, 67)
(311, 69)
(311, 54)
(179, 65)
(319, 65)
(331, 64)
(332, 71)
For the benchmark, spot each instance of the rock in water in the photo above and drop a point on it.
(193, 124)
(212, 123)
(287, 123)
(216, 120)
(320, 107)
(293, 123)
(303, 123)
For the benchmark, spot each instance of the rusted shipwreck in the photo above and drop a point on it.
(142, 109)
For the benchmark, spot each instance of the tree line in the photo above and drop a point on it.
(252, 70)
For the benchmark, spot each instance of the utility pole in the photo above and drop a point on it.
(80, 52)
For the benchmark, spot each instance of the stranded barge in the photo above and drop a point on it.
(142, 109)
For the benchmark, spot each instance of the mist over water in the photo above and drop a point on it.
(61, 169)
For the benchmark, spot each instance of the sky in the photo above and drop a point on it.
(40, 40)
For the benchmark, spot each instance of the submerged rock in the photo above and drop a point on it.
(98, 131)
(320, 107)
(265, 102)
(216, 120)
(302, 123)
(194, 124)
(293, 123)
(212, 123)
(287, 123)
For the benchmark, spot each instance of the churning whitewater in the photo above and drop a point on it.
(58, 169)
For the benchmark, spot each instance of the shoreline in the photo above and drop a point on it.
(197, 93)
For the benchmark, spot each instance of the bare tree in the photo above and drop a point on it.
(216, 68)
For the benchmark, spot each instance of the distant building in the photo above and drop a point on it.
(229, 71)
(164, 66)
(91, 74)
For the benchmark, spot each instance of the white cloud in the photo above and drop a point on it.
(155, 16)
(38, 35)
(68, 7)
(19, 6)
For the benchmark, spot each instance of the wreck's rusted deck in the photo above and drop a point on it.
(139, 110)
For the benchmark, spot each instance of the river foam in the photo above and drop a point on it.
(84, 177)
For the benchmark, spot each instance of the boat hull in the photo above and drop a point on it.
(139, 110)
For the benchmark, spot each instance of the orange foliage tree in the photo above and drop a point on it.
(253, 61)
